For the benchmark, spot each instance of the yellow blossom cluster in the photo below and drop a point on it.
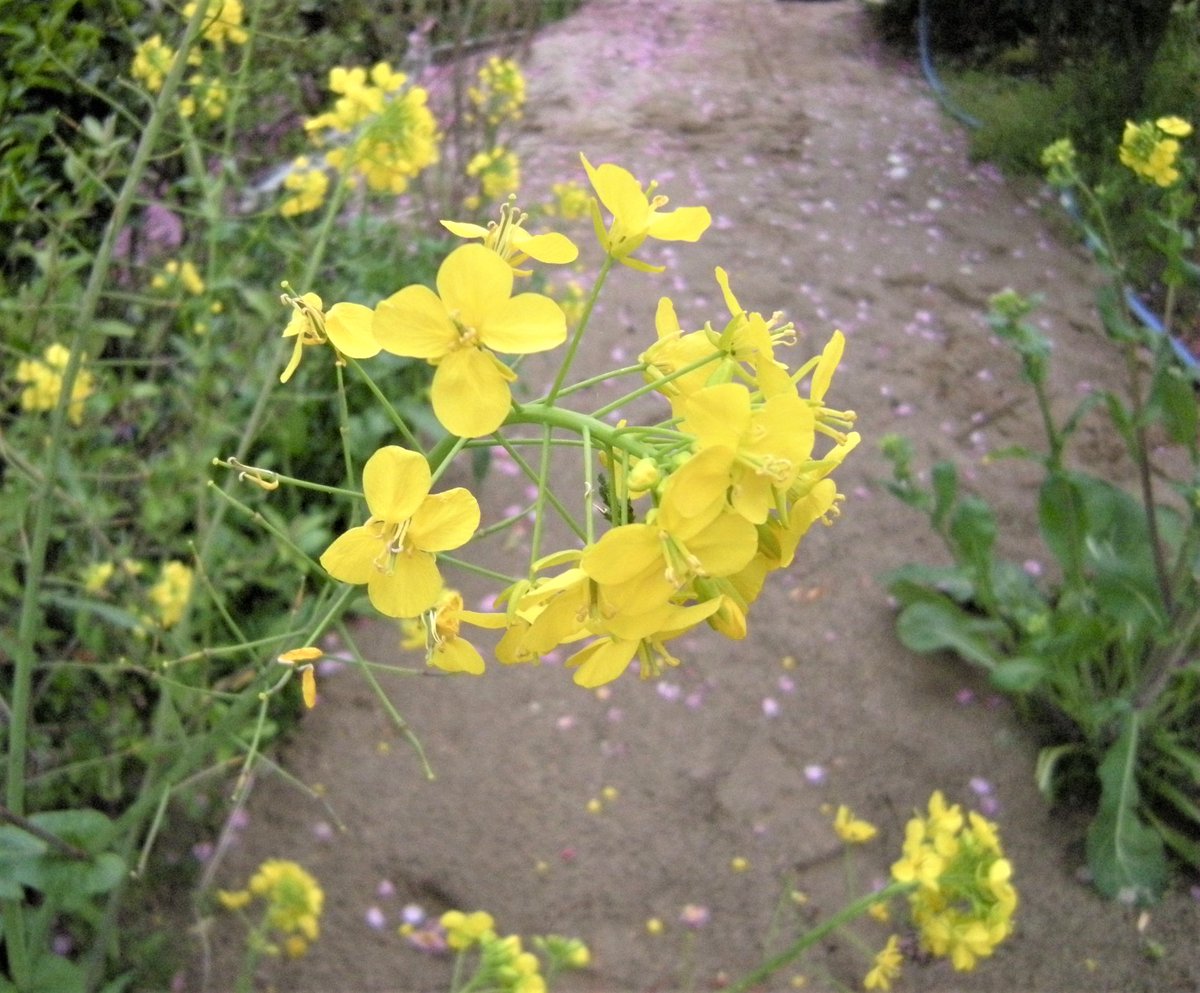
(570, 201)
(170, 595)
(42, 381)
(963, 901)
(207, 94)
(293, 898)
(497, 173)
(1151, 148)
(504, 964)
(383, 134)
(499, 94)
(726, 488)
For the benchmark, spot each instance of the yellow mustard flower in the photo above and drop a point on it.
(465, 930)
(887, 966)
(692, 533)
(766, 445)
(152, 61)
(509, 239)
(42, 380)
(308, 184)
(346, 326)
(172, 592)
(446, 649)
(394, 553)
(637, 215)
(222, 22)
(207, 95)
(964, 902)
(294, 898)
(459, 329)
(851, 829)
(97, 575)
(1151, 151)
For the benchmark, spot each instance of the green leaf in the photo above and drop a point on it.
(1018, 675)
(945, 491)
(1173, 398)
(932, 626)
(912, 582)
(1126, 856)
(973, 531)
(1064, 524)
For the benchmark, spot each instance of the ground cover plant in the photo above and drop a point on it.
(1101, 655)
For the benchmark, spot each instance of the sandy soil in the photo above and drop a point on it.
(842, 196)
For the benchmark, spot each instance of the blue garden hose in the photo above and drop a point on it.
(1132, 300)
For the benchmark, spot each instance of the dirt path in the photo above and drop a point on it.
(841, 196)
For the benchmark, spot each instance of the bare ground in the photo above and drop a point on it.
(842, 196)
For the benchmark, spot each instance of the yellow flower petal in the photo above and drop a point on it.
(413, 322)
(411, 587)
(445, 520)
(470, 394)
(351, 556)
(308, 687)
(348, 326)
(529, 322)
(601, 662)
(395, 482)
(473, 282)
(457, 655)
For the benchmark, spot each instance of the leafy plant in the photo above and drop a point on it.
(1104, 658)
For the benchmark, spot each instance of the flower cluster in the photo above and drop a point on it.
(170, 595)
(497, 172)
(725, 489)
(504, 965)
(206, 94)
(42, 381)
(1151, 148)
(176, 273)
(382, 131)
(499, 94)
(963, 900)
(293, 899)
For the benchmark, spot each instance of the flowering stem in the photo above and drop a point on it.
(577, 337)
(810, 938)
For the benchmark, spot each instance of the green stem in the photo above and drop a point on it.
(810, 938)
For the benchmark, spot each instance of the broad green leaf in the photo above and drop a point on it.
(973, 531)
(932, 626)
(913, 582)
(1018, 675)
(1126, 856)
(945, 491)
(1173, 398)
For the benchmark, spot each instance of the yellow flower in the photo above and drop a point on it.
(346, 326)
(234, 899)
(308, 185)
(498, 172)
(446, 649)
(294, 898)
(1176, 127)
(172, 592)
(964, 902)
(851, 829)
(394, 552)
(151, 62)
(43, 380)
(1151, 151)
(690, 534)
(636, 217)
(465, 930)
(222, 22)
(209, 95)
(458, 330)
(886, 967)
(766, 445)
(509, 239)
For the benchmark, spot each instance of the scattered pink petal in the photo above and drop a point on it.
(413, 913)
(323, 831)
(376, 919)
(965, 697)
(565, 723)
(770, 707)
(694, 915)
(385, 888)
(815, 773)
